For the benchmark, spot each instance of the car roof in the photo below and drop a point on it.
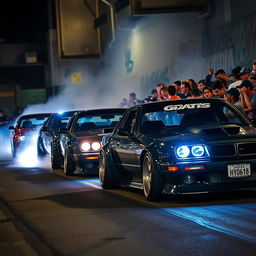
(181, 101)
(103, 110)
(35, 115)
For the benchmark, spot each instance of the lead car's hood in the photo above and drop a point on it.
(207, 134)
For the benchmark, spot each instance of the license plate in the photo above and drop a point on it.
(239, 170)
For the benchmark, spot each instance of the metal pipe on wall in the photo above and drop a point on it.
(112, 22)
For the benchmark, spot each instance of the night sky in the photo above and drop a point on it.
(23, 21)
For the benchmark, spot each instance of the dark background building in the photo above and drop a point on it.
(47, 46)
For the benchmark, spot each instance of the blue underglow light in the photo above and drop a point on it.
(183, 151)
(197, 151)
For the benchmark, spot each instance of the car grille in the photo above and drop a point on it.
(223, 150)
(246, 149)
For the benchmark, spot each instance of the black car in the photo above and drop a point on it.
(180, 146)
(83, 139)
(48, 142)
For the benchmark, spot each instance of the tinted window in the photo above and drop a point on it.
(87, 122)
(130, 121)
(58, 121)
(193, 114)
(32, 121)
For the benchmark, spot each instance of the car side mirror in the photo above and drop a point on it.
(11, 127)
(123, 132)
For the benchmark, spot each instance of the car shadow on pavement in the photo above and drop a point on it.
(92, 199)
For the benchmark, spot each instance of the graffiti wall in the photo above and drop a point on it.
(231, 44)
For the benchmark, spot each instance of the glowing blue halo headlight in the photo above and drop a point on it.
(183, 152)
(197, 151)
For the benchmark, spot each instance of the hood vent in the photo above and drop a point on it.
(229, 130)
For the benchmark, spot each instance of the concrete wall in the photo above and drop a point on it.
(158, 48)
(229, 36)
(163, 48)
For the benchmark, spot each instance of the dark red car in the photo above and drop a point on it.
(25, 131)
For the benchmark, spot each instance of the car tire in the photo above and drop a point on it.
(69, 164)
(55, 157)
(109, 179)
(152, 180)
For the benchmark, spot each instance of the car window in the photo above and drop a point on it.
(32, 121)
(49, 124)
(218, 113)
(129, 123)
(87, 122)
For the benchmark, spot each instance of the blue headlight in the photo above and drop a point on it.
(183, 151)
(197, 151)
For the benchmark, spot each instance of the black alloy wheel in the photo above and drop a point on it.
(152, 180)
(69, 164)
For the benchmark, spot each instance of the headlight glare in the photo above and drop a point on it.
(183, 152)
(197, 151)
(96, 146)
(85, 146)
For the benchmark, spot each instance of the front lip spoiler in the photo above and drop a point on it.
(87, 154)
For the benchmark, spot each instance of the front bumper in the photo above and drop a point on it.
(88, 163)
(214, 177)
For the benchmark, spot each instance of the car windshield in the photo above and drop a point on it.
(97, 121)
(193, 114)
(62, 120)
(32, 121)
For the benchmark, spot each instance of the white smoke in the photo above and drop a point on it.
(153, 44)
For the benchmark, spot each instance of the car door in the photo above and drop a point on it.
(46, 134)
(125, 143)
(65, 136)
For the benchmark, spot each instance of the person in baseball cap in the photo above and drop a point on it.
(245, 73)
(235, 77)
(246, 83)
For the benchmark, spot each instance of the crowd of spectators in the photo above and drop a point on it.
(239, 88)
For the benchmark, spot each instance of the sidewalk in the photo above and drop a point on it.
(12, 242)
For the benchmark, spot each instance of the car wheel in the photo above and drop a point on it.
(152, 181)
(69, 164)
(108, 179)
(55, 157)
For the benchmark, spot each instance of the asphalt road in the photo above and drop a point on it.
(58, 215)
